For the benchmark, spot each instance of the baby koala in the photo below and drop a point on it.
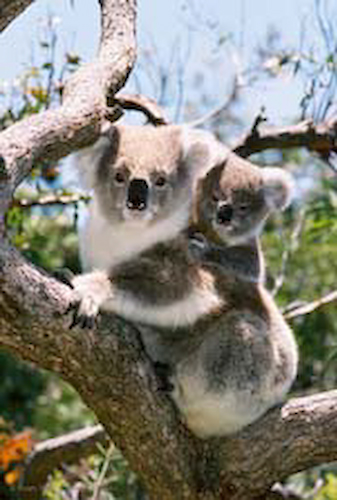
(204, 316)
(238, 361)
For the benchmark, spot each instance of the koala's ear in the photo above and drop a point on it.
(279, 187)
(202, 151)
(88, 159)
(204, 189)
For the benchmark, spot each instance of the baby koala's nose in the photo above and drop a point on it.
(137, 194)
(224, 214)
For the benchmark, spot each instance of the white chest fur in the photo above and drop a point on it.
(104, 245)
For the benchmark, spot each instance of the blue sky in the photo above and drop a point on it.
(163, 25)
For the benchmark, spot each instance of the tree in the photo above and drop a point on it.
(107, 366)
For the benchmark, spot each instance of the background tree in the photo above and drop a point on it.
(118, 384)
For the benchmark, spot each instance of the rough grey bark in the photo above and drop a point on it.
(107, 365)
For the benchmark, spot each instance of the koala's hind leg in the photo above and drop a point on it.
(232, 379)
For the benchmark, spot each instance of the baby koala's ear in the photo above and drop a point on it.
(278, 186)
(202, 151)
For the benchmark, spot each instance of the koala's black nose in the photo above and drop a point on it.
(138, 194)
(224, 214)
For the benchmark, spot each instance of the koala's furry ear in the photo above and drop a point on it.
(88, 159)
(279, 187)
(203, 190)
(201, 150)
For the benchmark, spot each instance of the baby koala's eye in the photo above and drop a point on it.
(243, 208)
(119, 178)
(160, 181)
(215, 197)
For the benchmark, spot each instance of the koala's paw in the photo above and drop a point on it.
(164, 372)
(198, 247)
(84, 305)
(65, 276)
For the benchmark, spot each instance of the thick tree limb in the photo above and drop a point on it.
(52, 453)
(10, 9)
(294, 437)
(107, 365)
(108, 368)
(321, 138)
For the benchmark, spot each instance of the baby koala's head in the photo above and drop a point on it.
(234, 199)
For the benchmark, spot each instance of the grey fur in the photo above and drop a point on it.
(236, 357)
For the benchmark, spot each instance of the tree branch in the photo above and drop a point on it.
(311, 306)
(50, 454)
(107, 366)
(50, 199)
(55, 133)
(144, 104)
(10, 9)
(320, 138)
(299, 435)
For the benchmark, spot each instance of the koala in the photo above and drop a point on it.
(231, 205)
(142, 180)
(235, 363)
(211, 329)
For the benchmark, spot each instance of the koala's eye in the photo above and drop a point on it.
(119, 178)
(243, 208)
(215, 197)
(161, 181)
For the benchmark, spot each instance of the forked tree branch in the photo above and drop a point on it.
(107, 365)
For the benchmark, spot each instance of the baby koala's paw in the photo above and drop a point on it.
(87, 300)
(198, 247)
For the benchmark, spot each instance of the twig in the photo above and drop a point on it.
(219, 110)
(51, 453)
(311, 306)
(288, 251)
(51, 199)
(261, 118)
(100, 480)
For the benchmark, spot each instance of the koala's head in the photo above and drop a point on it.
(143, 174)
(234, 199)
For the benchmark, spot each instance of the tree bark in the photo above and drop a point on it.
(107, 365)
(53, 453)
(10, 9)
(320, 138)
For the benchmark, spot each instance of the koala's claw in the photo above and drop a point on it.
(65, 276)
(164, 372)
(84, 313)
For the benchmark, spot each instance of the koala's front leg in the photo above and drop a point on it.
(90, 292)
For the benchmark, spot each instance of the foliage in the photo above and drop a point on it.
(300, 249)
